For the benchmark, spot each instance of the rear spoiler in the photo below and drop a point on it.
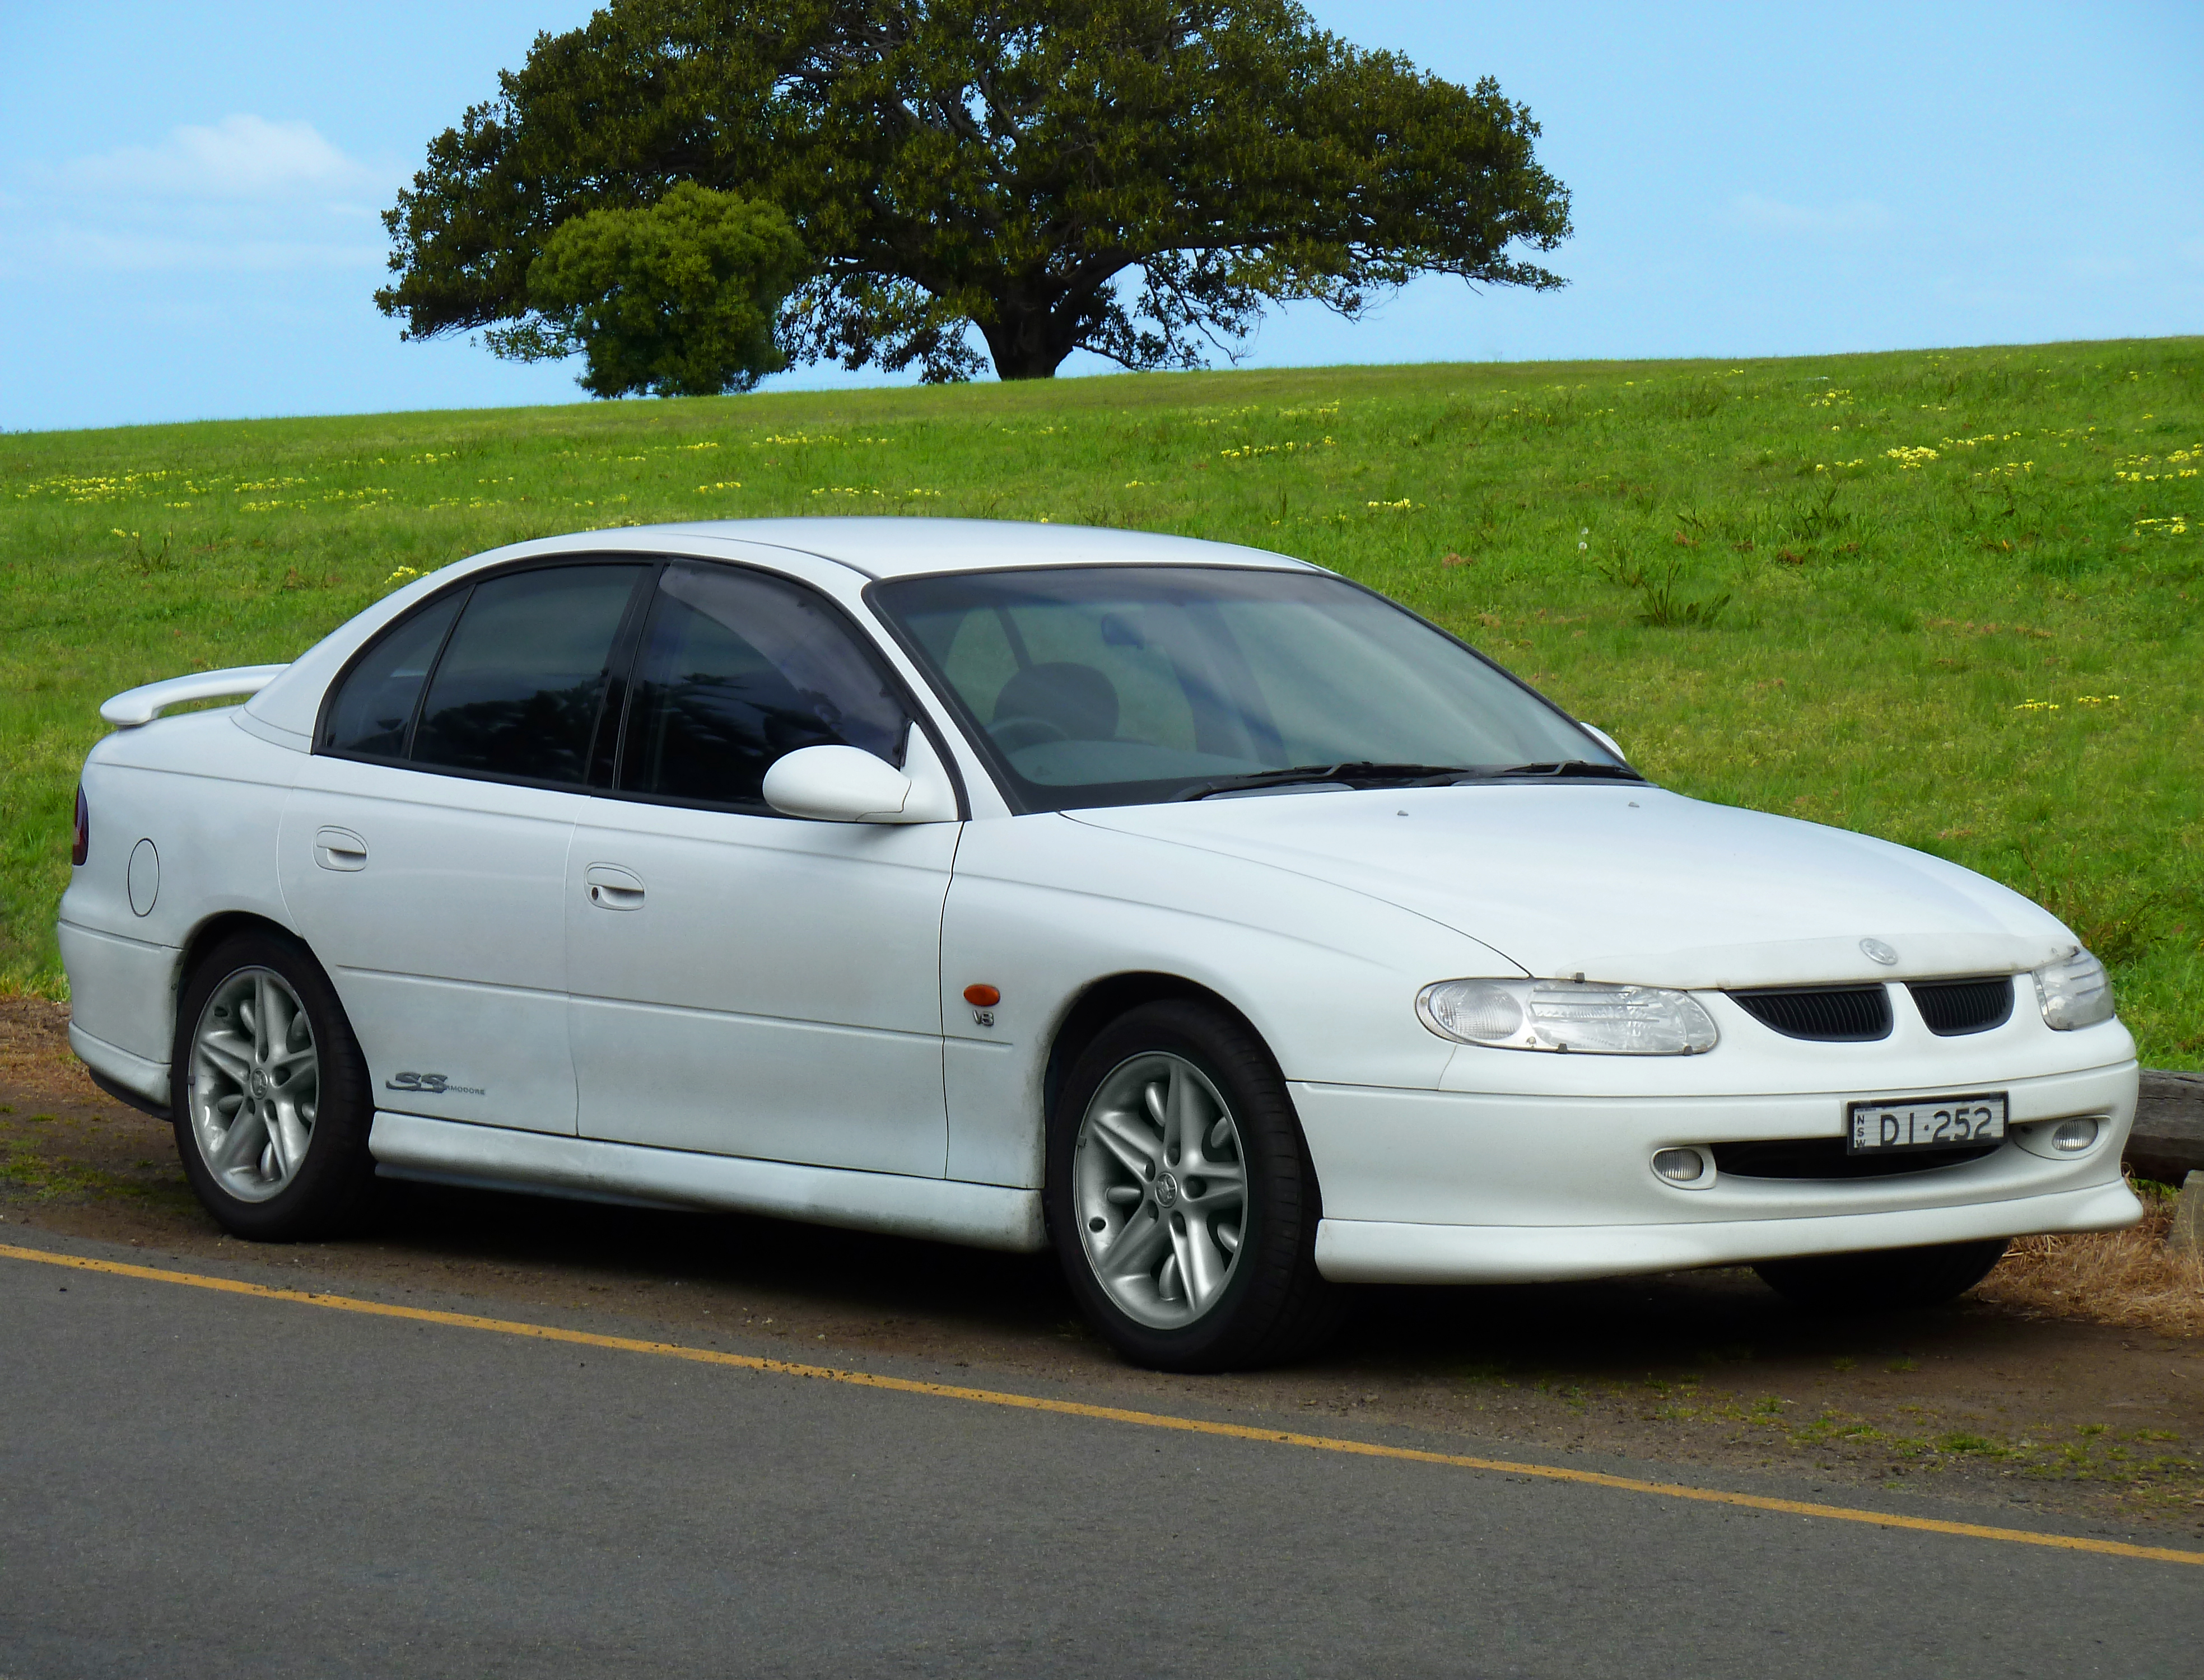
(134, 707)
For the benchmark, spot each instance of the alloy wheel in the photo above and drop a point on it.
(1159, 1183)
(255, 1084)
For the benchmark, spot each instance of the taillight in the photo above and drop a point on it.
(80, 847)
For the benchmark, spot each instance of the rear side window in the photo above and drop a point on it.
(372, 716)
(505, 678)
(518, 688)
(738, 669)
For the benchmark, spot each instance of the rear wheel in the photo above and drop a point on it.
(1180, 1198)
(269, 1094)
(1889, 1279)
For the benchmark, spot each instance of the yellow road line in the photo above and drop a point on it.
(1150, 1420)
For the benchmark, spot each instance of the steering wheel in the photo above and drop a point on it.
(1015, 735)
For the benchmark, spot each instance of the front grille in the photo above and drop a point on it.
(1832, 1015)
(1951, 1008)
(1826, 1158)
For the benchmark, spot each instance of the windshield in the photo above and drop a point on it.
(1120, 685)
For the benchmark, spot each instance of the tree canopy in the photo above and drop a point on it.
(1136, 178)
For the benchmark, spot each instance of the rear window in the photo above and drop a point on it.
(372, 716)
(519, 666)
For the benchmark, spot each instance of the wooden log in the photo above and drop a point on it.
(2187, 1236)
(2167, 1144)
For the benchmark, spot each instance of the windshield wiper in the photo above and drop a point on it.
(1360, 774)
(1364, 774)
(1567, 767)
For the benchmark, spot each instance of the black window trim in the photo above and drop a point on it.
(465, 597)
(620, 674)
(609, 734)
(982, 744)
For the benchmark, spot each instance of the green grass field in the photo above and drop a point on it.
(1949, 598)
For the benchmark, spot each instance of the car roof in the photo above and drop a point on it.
(904, 547)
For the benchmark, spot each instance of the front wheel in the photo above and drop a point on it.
(269, 1094)
(1180, 1198)
(1888, 1280)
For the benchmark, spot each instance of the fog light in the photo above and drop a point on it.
(1680, 1166)
(2071, 1137)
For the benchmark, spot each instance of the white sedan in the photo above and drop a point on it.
(1185, 907)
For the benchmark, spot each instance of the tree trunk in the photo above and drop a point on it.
(1024, 343)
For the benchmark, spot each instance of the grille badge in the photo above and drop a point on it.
(1877, 951)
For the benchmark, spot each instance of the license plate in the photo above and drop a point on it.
(1924, 1122)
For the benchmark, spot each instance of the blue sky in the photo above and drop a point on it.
(188, 193)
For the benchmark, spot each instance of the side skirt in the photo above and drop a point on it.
(980, 1215)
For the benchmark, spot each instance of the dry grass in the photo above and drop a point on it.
(2117, 1277)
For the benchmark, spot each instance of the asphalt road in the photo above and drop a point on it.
(197, 1483)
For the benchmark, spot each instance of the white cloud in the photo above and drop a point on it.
(241, 157)
(245, 194)
(1854, 220)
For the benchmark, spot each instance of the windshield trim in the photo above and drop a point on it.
(1104, 795)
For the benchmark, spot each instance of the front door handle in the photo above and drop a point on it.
(339, 848)
(612, 888)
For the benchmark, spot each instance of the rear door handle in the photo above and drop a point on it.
(612, 888)
(339, 849)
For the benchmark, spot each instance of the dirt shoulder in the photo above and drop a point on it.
(2020, 1396)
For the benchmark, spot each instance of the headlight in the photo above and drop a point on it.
(1567, 1015)
(2074, 992)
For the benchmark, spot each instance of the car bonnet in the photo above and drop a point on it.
(1628, 883)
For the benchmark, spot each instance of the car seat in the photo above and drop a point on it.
(1076, 700)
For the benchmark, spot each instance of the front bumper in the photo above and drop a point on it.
(1459, 1187)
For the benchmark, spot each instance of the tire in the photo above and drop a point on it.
(265, 1063)
(1167, 1086)
(1889, 1279)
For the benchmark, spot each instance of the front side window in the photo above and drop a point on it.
(1108, 685)
(737, 669)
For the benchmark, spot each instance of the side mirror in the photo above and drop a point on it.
(847, 784)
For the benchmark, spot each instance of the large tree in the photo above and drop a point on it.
(1136, 178)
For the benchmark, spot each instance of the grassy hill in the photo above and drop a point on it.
(1949, 598)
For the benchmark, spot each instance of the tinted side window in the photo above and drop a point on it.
(739, 668)
(517, 691)
(373, 713)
